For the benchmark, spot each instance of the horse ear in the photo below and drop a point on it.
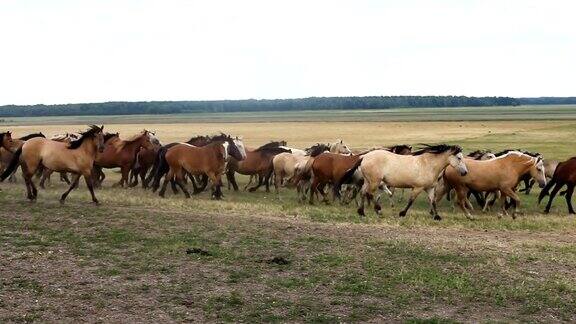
(102, 128)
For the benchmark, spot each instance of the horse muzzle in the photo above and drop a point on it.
(463, 172)
(541, 184)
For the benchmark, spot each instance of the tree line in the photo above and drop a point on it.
(254, 105)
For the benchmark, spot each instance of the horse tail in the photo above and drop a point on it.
(13, 165)
(546, 189)
(347, 177)
(161, 166)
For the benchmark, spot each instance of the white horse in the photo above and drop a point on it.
(419, 171)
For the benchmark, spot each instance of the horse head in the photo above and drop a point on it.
(339, 147)
(537, 170)
(452, 152)
(6, 140)
(236, 148)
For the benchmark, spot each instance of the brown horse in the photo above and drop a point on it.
(144, 162)
(181, 159)
(498, 174)
(76, 157)
(258, 162)
(565, 175)
(47, 173)
(329, 168)
(121, 154)
(7, 149)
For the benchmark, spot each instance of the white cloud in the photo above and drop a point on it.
(84, 51)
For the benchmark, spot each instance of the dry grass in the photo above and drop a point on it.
(126, 260)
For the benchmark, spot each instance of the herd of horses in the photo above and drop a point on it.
(202, 161)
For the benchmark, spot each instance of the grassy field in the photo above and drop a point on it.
(254, 257)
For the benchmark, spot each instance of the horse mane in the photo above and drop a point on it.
(29, 136)
(270, 146)
(504, 152)
(317, 149)
(399, 147)
(208, 139)
(135, 137)
(109, 136)
(437, 149)
(478, 154)
(90, 133)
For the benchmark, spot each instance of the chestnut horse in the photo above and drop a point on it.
(210, 159)
(498, 174)
(564, 175)
(121, 154)
(258, 162)
(329, 168)
(77, 157)
(419, 171)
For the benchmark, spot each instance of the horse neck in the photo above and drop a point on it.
(89, 147)
(520, 164)
(133, 146)
(437, 162)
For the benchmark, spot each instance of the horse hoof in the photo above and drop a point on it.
(62, 201)
(361, 212)
(437, 218)
(402, 213)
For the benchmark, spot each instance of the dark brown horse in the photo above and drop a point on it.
(181, 159)
(144, 162)
(258, 162)
(565, 175)
(76, 157)
(121, 154)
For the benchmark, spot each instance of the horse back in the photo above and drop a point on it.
(205, 159)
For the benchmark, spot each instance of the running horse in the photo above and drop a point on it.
(76, 157)
(501, 174)
(564, 175)
(144, 162)
(7, 149)
(182, 158)
(258, 162)
(121, 154)
(419, 171)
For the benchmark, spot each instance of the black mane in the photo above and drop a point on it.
(108, 136)
(478, 154)
(202, 140)
(317, 149)
(2, 136)
(29, 136)
(90, 133)
(437, 149)
(399, 148)
(272, 146)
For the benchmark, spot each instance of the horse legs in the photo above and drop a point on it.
(216, 186)
(28, 181)
(313, 188)
(267, 179)
(462, 200)
(232, 179)
(432, 200)
(557, 188)
(413, 195)
(73, 185)
(167, 179)
(368, 189)
(45, 176)
(515, 200)
(277, 181)
(180, 183)
(568, 197)
(260, 182)
(89, 183)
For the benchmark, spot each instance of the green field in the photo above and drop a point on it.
(539, 112)
(256, 257)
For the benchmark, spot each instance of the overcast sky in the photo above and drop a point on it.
(61, 51)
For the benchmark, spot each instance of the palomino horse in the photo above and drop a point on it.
(258, 162)
(419, 171)
(7, 150)
(122, 154)
(498, 174)
(549, 168)
(181, 159)
(77, 157)
(565, 175)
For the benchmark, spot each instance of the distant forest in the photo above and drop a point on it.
(253, 105)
